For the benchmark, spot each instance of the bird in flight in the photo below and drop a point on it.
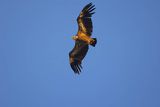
(82, 38)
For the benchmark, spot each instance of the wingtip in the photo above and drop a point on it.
(76, 68)
(91, 4)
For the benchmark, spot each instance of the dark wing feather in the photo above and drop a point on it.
(77, 55)
(84, 19)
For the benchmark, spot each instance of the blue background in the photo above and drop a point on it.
(123, 70)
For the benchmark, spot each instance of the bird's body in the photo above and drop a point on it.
(83, 38)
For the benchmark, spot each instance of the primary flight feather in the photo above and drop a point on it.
(82, 38)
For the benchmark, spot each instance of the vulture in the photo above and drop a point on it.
(82, 38)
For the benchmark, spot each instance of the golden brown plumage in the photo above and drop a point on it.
(83, 38)
(84, 20)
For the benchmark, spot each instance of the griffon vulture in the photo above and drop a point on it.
(82, 38)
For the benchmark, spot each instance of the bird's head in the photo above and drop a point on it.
(74, 37)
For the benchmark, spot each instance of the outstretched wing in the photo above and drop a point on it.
(77, 54)
(84, 19)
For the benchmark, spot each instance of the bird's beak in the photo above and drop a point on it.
(73, 37)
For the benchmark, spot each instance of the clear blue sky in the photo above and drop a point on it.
(123, 70)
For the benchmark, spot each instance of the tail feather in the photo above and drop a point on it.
(94, 42)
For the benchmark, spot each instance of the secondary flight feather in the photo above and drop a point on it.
(82, 38)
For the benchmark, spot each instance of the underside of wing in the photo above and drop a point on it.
(77, 55)
(84, 19)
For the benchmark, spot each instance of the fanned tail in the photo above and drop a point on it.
(94, 42)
